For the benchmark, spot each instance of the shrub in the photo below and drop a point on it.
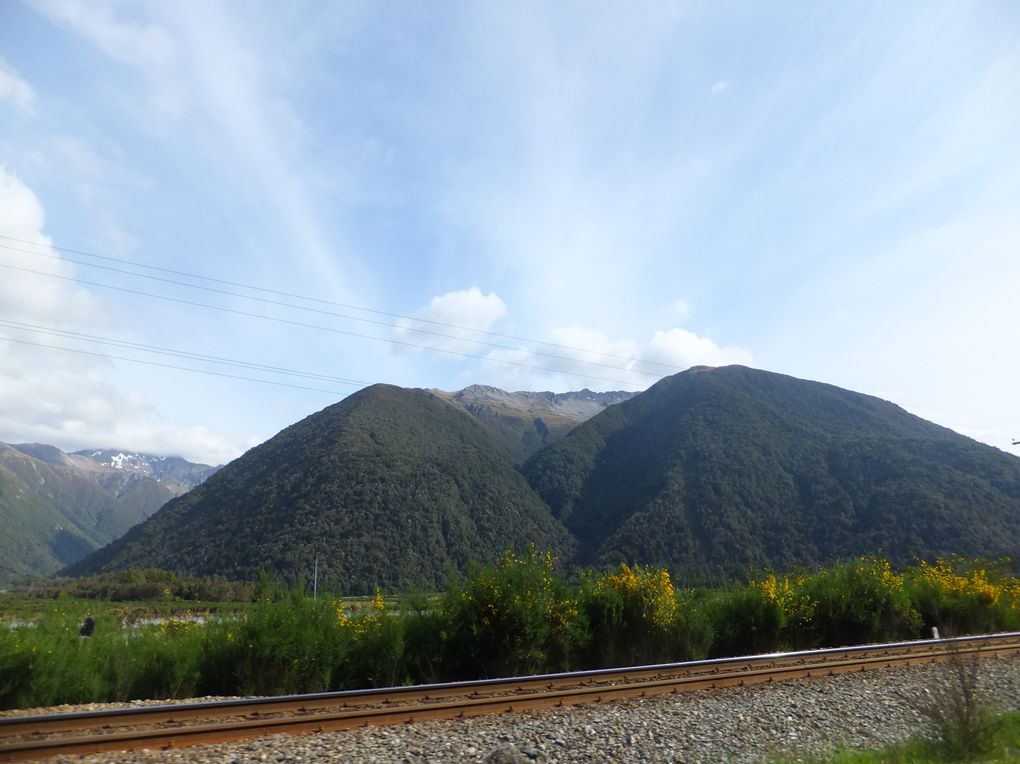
(854, 603)
(291, 645)
(966, 728)
(515, 617)
(745, 620)
(963, 597)
(631, 616)
(376, 654)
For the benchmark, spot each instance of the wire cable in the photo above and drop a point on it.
(328, 312)
(169, 366)
(321, 301)
(319, 327)
(127, 345)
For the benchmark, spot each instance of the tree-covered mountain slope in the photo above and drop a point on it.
(389, 486)
(52, 516)
(715, 471)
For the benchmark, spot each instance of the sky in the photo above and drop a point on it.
(217, 218)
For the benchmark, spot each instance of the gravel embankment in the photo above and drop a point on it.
(733, 725)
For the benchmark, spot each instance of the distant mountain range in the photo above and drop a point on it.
(523, 422)
(56, 507)
(711, 472)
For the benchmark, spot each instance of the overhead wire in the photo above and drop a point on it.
(319, 327)
(80, 336)
(329, 313)
(322, 301)
(127, 345)
(169, 366)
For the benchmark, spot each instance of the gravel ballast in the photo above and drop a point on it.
(740, 724)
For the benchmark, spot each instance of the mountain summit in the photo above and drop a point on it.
(715, 471)
(389, 486)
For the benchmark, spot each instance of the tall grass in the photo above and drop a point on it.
(517, 616)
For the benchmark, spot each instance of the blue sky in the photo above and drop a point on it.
(828, 190)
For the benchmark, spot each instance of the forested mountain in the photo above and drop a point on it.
(56, 507)
(717, 470)
(389, 486)
(712, 472)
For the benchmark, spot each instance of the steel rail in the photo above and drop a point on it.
(425, 702)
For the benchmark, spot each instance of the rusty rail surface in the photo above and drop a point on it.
(26, 738)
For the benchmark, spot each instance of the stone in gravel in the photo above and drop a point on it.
(506, 755)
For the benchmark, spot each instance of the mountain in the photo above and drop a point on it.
(55, 507)
(712, 472)
(715, 471)
(523, 422)
(389, 486)
(142, 481)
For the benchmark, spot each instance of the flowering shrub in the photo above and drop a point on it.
(964, 597)
(855, 602)
(515, 617)
(631, 614)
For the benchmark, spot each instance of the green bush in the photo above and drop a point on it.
(745, 621)
(512, 618)
(855, 603)
(631, 616)
(964, 596)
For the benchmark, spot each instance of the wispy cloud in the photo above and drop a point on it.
(207, 83)
(15, 90)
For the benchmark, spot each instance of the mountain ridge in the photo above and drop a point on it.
(390, 485)
(57, 507)
(711, 472)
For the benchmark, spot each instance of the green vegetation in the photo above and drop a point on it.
(515, 616)
(392, 487)
(712, 472)
(51, 518)
(1001, 745)
(151, 584)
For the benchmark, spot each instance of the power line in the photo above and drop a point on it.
(67, 334)
(80, 336)
(169, 366)
(321, 301)
(324, 312)
(319, 327)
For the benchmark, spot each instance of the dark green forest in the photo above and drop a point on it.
(710, 472)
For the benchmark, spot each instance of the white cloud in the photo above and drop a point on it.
(581, 357)
(470, 308)
(61, 397)
(719, 87)
(25, 296)
(682, 348)
(15, 90)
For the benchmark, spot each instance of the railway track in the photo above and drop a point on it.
(28, 738)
